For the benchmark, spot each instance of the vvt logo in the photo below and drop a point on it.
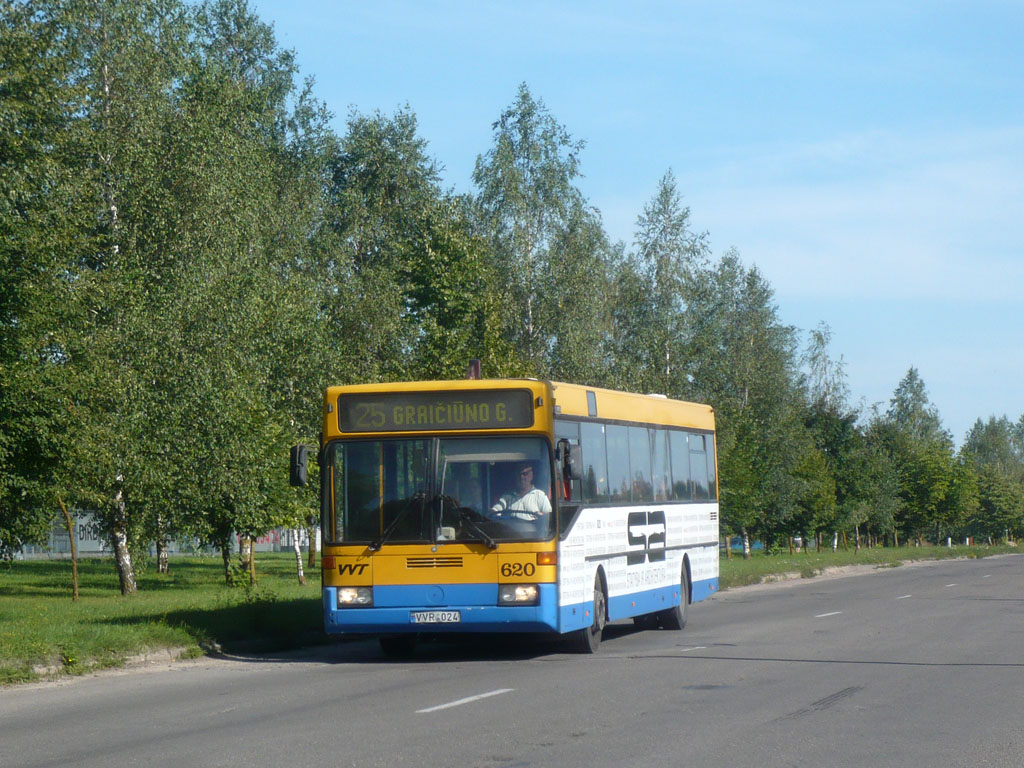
(648, 529)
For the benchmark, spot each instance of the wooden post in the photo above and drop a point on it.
(74, 550)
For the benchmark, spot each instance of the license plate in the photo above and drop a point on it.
(435, 617)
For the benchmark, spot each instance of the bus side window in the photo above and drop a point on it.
(699, 467)
(660, 469)
(640, 464)
(680, 462)
(619, 479)
(712, 470)
(595, 463)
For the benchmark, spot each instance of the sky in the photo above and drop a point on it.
(867, 157)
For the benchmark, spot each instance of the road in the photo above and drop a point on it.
(921, 665)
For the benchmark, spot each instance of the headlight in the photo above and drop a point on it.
(355, 597)
(518, 594)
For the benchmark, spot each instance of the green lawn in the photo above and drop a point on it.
(191, 608)
(737, 572)
(43, 633)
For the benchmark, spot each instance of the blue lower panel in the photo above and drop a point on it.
(638, 603)
(634, 604)
(702, 590)
(572, 617)
(476, 603)
(578, 616)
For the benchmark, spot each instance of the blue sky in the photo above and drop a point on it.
(867, 157)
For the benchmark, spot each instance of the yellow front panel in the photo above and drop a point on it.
(522, 568)
(442, 567)
(450, 564)
(353, 571)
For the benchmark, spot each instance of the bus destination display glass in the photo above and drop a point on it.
(435, 411)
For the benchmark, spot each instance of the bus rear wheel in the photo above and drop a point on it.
(588, 639)
(675, 618)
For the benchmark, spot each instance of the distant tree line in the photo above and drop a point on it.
(189, 254)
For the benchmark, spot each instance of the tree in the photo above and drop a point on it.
(912, 412)
(995, 452)
(871, 486)
(526, 200)
(183, 274)
(42, 216)
(922, 454)
(827, 387)
(576, 305)
(130, 53)
(382, 193)
(248, 313)
(741, 359)
(832, 425)
(452, 303)
(671, 257)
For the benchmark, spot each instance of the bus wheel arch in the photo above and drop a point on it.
(675, 617)
(588, 639)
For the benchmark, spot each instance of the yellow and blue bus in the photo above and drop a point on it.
(512, 505)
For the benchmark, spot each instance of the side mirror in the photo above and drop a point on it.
(297, 474)
(572, 464)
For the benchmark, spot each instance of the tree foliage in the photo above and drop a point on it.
(528, 204)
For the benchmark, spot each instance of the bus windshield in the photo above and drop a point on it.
(439, 490)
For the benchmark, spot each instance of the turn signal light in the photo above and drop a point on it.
(328, 563)
(547, 558)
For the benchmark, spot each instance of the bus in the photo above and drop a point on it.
(512, 505)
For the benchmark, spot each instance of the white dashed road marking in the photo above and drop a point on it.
(467, 700)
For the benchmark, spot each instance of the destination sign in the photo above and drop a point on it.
(435, 411)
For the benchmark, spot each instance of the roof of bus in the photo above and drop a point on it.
(569, 400)
(572, 400)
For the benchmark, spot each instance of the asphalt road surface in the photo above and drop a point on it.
(921, 665)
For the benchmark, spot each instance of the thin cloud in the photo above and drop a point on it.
(875, 216)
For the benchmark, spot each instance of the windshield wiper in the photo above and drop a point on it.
(376, 544)
(472, 524)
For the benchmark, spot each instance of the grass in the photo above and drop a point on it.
(191, 611)
(737, 572)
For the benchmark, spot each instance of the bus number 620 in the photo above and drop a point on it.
(518, 569)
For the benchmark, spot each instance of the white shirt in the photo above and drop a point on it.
(526, 507)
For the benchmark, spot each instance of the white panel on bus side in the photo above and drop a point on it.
(639, 547)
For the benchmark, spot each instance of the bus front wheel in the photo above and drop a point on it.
(588, 639)
(675, 618)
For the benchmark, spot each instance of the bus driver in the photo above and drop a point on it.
(526, 502)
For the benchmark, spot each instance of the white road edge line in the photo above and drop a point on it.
(467, 700)
(823, 615)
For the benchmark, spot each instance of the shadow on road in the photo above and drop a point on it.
(429, 649)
